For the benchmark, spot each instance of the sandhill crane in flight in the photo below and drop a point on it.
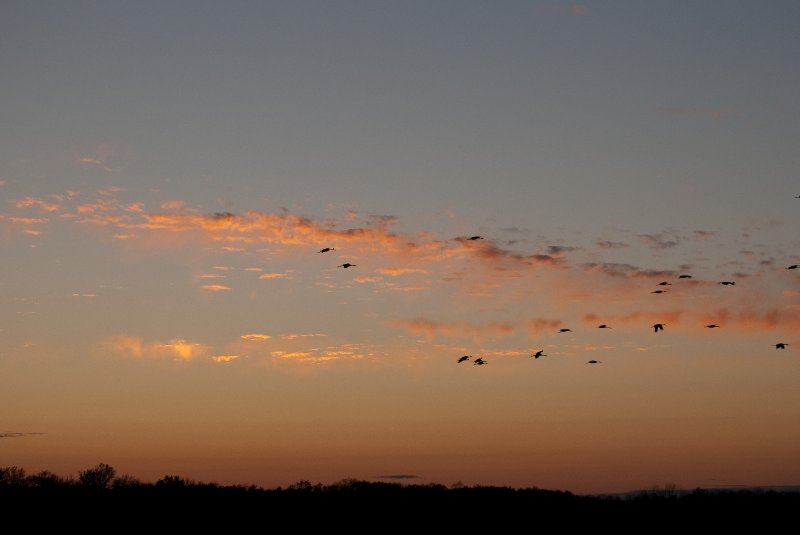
(565, 330)
(684, 276)
(595, 362)
(462, 359)
(658, 326)
(727, 283)
(473, 238)
(603, 326)
(781, 345)
(658, 292)
(538, 354)
(479, 361)
(712, 326)
(347, 265)
(325, 250)
(793, 266)
(664, 283)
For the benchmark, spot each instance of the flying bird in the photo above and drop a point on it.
(781, 345)
(462, 359)
(347, 265)
(479, 361)
(603, 326)
(793, 266)
(325, 250)
(658, 326)
(684, 276)
(664, 283)
(473, 238)
(565, 330)
(658, 292)
(727, 283)
(538, 354)
(712, 326)
(595, 362)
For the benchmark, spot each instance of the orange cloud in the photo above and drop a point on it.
(224, 358)
(430, 328)
(35, 202)
(134, 346)
(259, 337)
(536, 326)
(172, 205)
(265, 276)
(95, 162)
(28, 220)
(216, 288)
(396, 271)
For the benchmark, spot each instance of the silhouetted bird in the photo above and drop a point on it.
(727, 283)
(684, 276)
(347, 265)
(538, 354)
(793, 266)
(325, 250)
(664, 283)
(658, 326)
(781, 345)
(462, 359)
(658, 292)
(473, 238)
(479, 361)
(594, 362)
(565, 330)
(712, 326)
(603, 326)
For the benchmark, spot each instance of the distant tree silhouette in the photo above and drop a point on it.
(125, 480)
(46, 480)
(98, 477)
(12, 476)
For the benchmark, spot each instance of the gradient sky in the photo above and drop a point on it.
(169, 170)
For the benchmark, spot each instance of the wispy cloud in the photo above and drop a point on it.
(136, 347)
(257, 337)
(267, 276)
(95, 162)
(397, 271)
(431, 328)
(659, 241)
(36, 202)
(216, 288)
(17, 434)
(224, 359)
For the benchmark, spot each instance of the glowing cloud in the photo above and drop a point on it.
(216, 288)
(397, 271)
(267, 276)
(258, 337)
(224, 358)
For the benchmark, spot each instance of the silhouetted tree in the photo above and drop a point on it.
(12, 476)
(46, 480)
(98, 477)
(125, 480)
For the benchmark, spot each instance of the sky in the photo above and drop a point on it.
(169, 172)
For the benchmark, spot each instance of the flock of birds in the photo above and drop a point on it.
(480, 361)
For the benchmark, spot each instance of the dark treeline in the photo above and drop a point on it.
(98, 493)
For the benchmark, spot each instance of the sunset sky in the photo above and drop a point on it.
(170, 170)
